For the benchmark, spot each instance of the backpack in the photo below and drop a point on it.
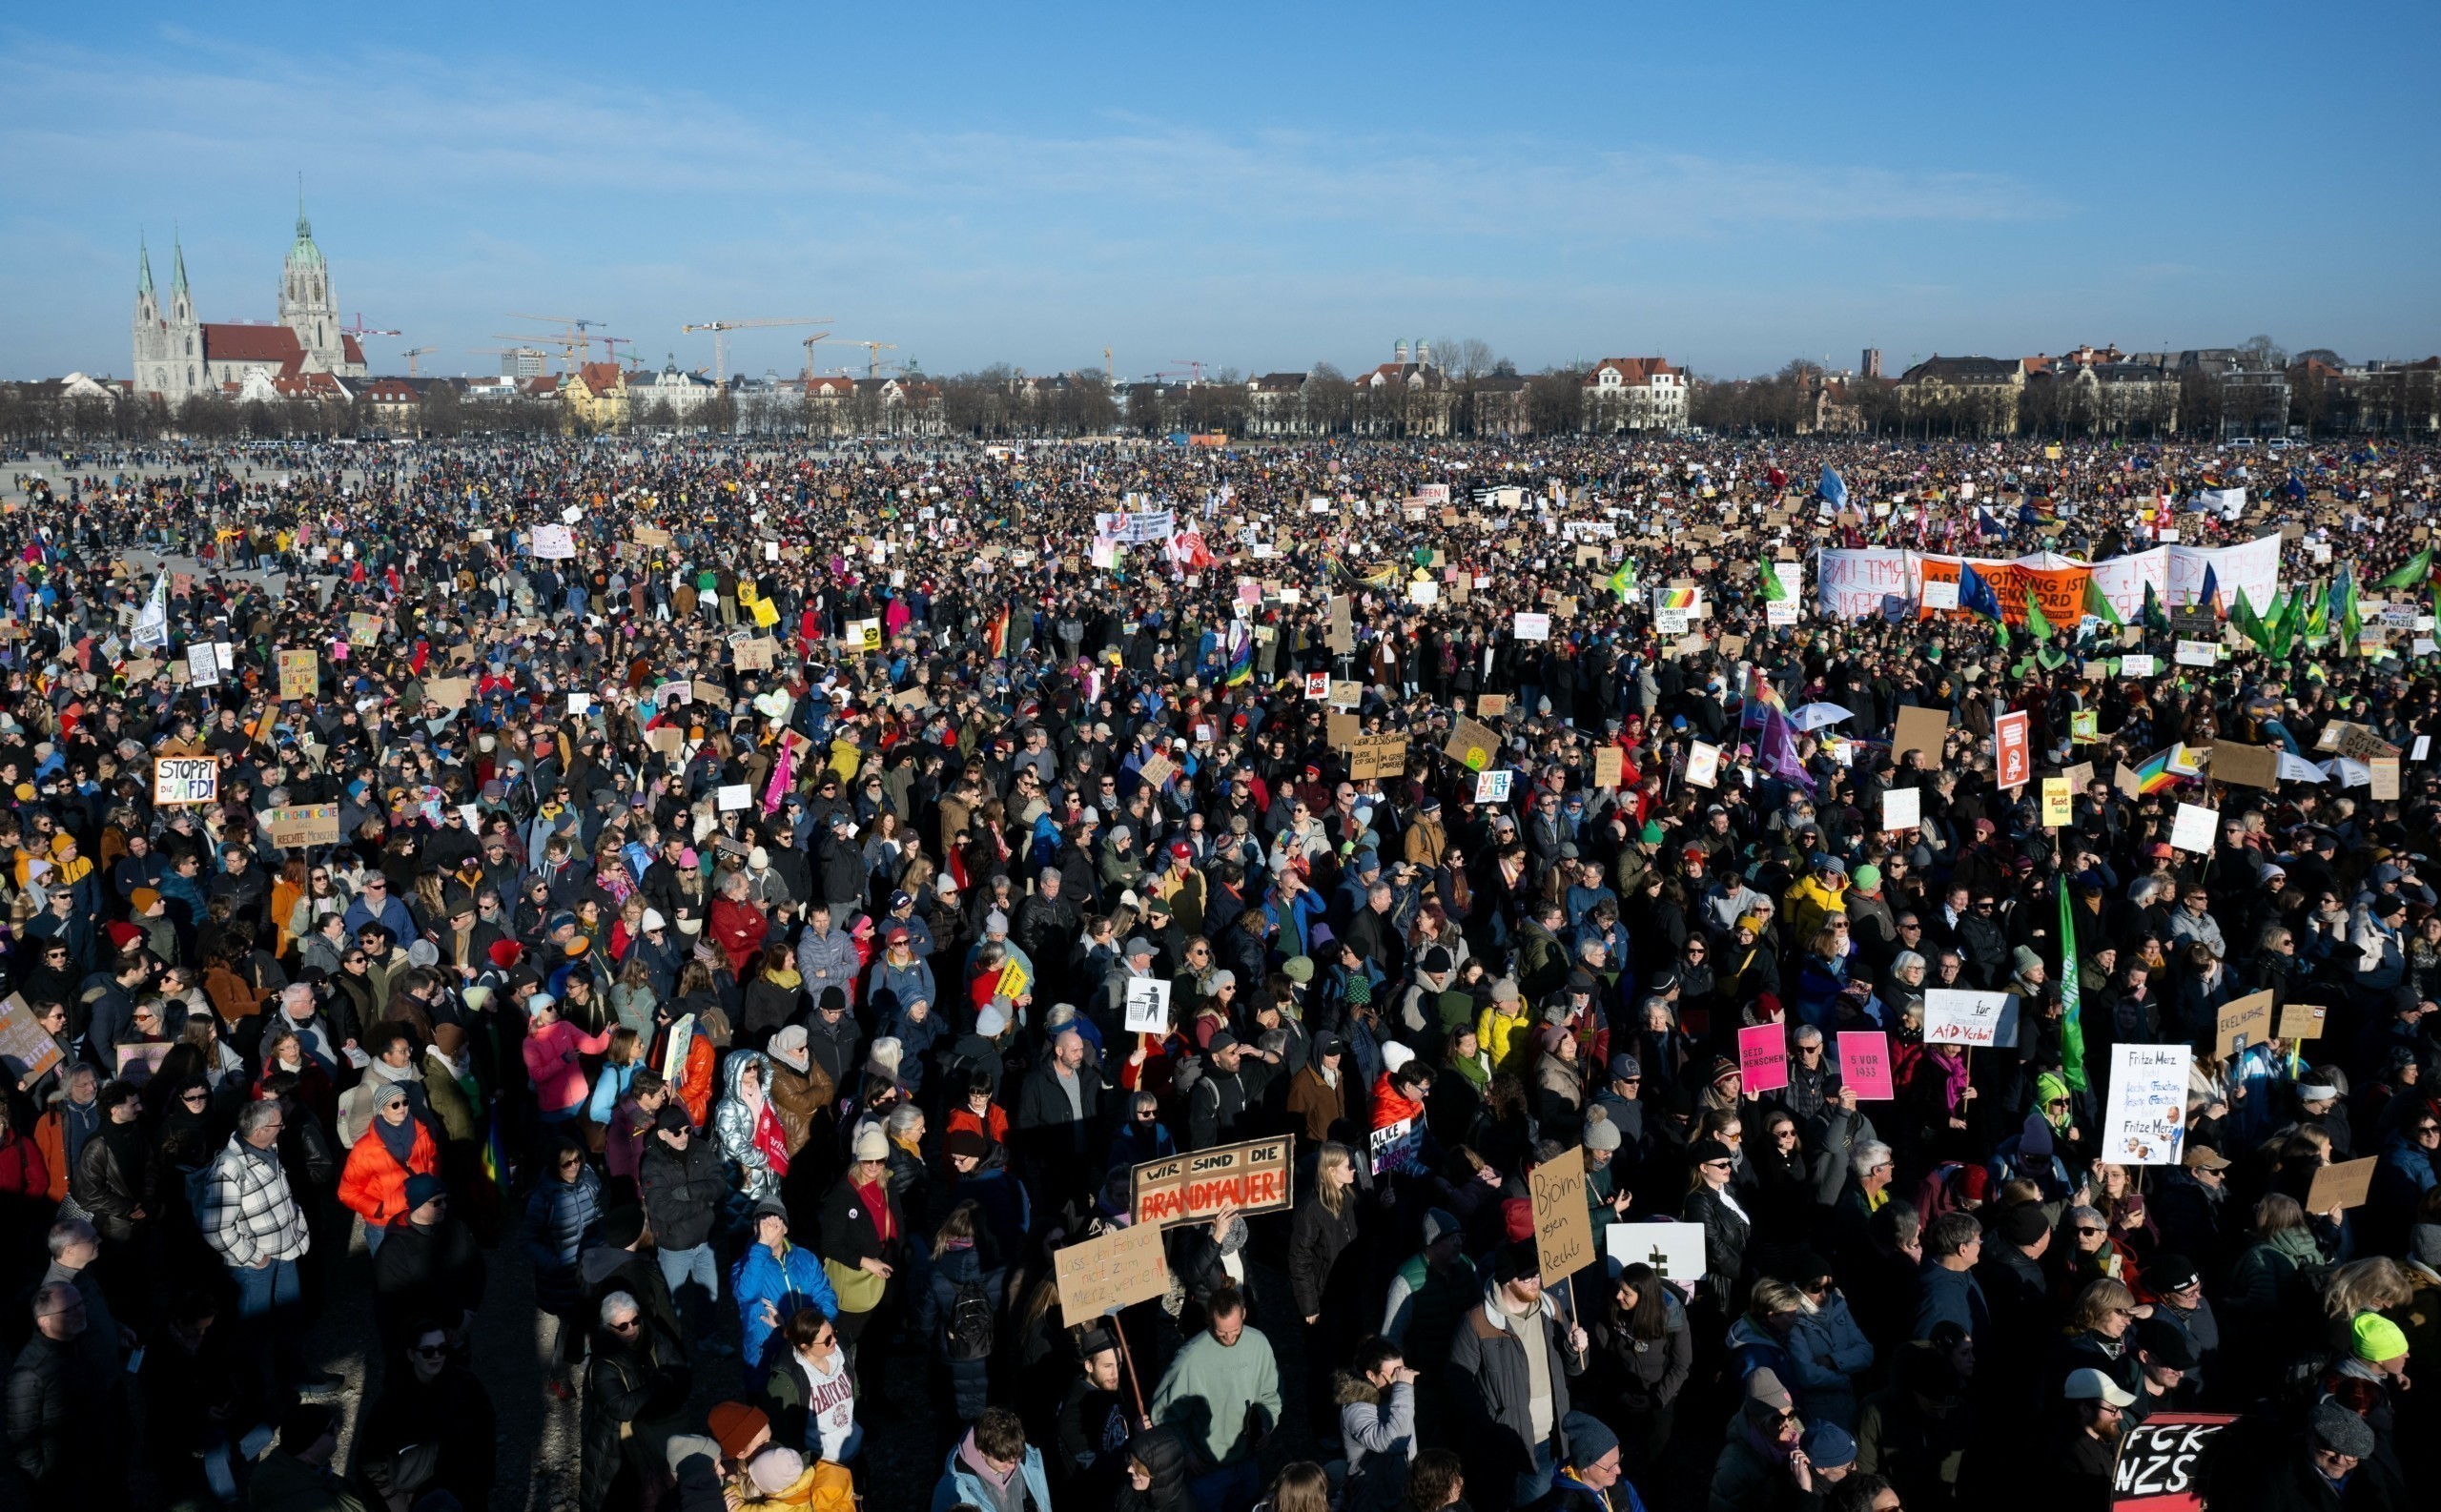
(970, 1330)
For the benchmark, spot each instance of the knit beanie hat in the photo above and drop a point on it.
(2376, 1338)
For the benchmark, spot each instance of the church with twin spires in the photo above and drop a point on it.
(303, 354)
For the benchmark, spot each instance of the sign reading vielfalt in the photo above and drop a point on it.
(1254, 1176)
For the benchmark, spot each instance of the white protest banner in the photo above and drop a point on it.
(2137, 664)
(1148, 1006)
(2194, 827)
(203, 665)
(2196, 653)
(1675, 1250)
(553, 544)
(1531, 626)
(1901, 808)
(1953, 1017)
(2147, 1115)
(186, 780)
(735, 795)
(1940, 593)
(1492, 787)
(1851, 585)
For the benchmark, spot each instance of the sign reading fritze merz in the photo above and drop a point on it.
(1254, 1176)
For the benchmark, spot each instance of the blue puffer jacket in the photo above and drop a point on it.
(788, 1282)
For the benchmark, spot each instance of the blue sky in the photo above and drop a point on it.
(1253, 186)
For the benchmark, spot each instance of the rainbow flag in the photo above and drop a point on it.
(2153, 773)
(1241, 654)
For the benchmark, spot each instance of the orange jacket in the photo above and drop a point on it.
(375, 1185)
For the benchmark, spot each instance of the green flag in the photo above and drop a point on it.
(2250, 624)
(2343, 611)
(2154, 617)
(2036, 625)
(2072, 1026)
(1775, 591)
(2417, 572)
(2098, 604)
(1623, 581)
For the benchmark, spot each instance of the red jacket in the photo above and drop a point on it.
(738, 930)
(375, 1185)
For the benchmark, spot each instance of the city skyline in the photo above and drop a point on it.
(987, 193)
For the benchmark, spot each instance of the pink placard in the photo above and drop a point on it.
(1763, 1057)
(1864, 1064)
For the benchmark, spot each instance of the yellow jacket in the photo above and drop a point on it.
(1810, 904)
(1505, 1035)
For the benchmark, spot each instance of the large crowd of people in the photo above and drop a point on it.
(703, 885)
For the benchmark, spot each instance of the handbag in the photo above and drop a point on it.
(859, 1290)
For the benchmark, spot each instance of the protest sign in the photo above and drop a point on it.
(1763, 1057)
(2136, 664)
(2243, 1021)
(2193, 829)
(1255, 1176)
(2302, 1020)
(450, 692)
(1608, 763)
(300, 674)
(2160, 1466)
(1471, 745)
(305, 824)
(26, 1047)
(2345, 1185)
(1864, 1064)
(1675, 1250)
(1954, 1017)
(1703, 765)
(2013, 747)
(2246, 766)
(186, 780)
(2058, 801)
(1921, 729)
(735, 795)
(1531, 626)
(1492, 787)
(2146, 1118)
(1110, 1271)
(1562, 1228)
(1492, 706)
(1148, 1006)
(1371, 756)
(1901, 808)
(554, 543)
(1396, 1146)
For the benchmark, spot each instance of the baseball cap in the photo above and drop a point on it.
(2092, 1385)
(2204, 1157)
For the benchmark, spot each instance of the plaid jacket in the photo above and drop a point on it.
(248, 1212)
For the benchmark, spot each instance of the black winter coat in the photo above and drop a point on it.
(1324, 1265)
(434, 1275)
(625, 1384)
(682, 1191)
(1725, 1237)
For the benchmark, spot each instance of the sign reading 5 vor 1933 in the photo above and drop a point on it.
(1254, 1176)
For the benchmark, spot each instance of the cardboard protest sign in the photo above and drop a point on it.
(2242, 1022)
(1608, 763)
(2303, 1020)
(2345, 1185)
(306, 824)
(26, 1047)
(300, 674)
(2384, 786)
(1471, 745)
(186, 780)
(1492, 706)
(1377, 756)
(1675, 1250)
(1864, 1064)
(1148, 1006)
(2246, 766)
(1921, 729)
(450, 692)
(1255, 1176)
(1763, 1057)
(754, 654)
(1340, 730)
(2146, 1118)
(1955, 1017)
(1110, 1271)
(1562, 1228)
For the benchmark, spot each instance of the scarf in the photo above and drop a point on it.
(876, 1199)
(785, 978)
(2298, 1245)
(1954, 1081)
(398, 1138)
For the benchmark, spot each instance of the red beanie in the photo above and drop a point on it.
(1973, 1183)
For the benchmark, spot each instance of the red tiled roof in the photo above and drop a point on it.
(829, 387)
(350, 350)
(601, 377)
(1633, 371)
(232, 342)
(392, 390)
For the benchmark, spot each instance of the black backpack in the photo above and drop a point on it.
(970, 1330)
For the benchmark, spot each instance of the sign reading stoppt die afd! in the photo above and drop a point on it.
(1182, 1189)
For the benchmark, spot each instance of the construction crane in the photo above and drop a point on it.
(872, 354)
(574, 339)
(825, 336)
(360, 330)
(415, 351)
(610, 345)
(721, 329)
(1194, 365)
